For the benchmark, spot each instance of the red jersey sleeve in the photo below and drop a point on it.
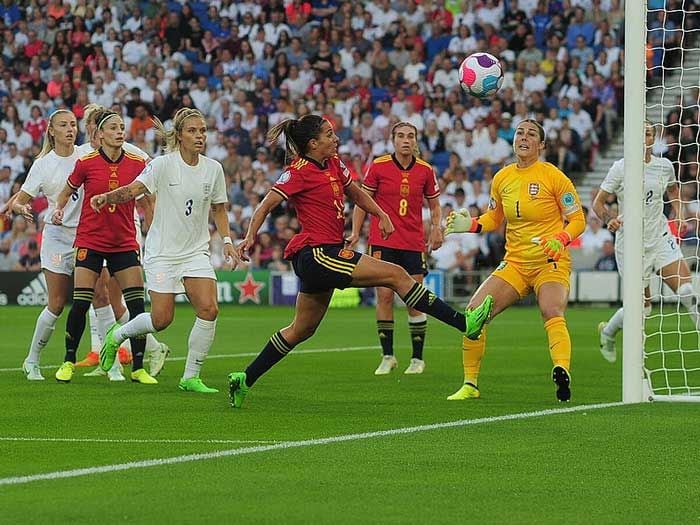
(77, 178)
(370, 182)
(345, 175)
(290, 182)
(431, 189)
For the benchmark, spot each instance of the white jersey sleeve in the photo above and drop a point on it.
(669, 172)
(33, 184)
(135, 150)
(614, 179)
(218, 195)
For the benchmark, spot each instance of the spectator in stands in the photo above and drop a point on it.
(607, 261)
(29, 261)
(595, 236)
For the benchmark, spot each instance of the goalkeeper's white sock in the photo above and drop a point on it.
(690, 300)
(199, 343)
(139, 325)
(45, 324)
(105, 318)
(95, 339)
(614, 325)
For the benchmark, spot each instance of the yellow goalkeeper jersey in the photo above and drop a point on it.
(535, 201)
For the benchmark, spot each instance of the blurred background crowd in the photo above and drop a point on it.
(364, 66)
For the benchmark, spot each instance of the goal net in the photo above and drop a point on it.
(671, 358)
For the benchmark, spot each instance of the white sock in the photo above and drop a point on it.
(687, 296)
(614, 325)
(105, 319)
(139, 325)
(45, 324)
(95, 339)
(199, 343)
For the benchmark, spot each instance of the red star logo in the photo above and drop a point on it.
(249, 289)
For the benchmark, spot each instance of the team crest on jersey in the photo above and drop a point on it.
(286, 175)
(405, 190)
(533, 188)
(492, 203)
(82, 254)
(346, 254)
(501, 265)
(569, 202)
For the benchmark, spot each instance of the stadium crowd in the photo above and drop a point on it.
(248, 65)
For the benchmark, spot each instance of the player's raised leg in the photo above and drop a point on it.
(504, 295)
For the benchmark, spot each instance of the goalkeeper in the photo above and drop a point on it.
(544, 215)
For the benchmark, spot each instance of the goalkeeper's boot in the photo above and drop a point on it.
(562, 379)
(143, 377)
(387, 364)
(417, 366)
(124, 355)
(607, 344)
(32, 371)
(477, 317)
(195, 384)
(156, 359)
(237, 389)
(65, 372)
(108, 352)
(92, 359)
(468, 391)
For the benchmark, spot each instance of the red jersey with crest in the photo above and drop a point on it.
(318, 194)
(399, 191)
(113, 229)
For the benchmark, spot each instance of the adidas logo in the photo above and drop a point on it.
(35, 293)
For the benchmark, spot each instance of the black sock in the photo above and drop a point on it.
(423, 300)
(75, 324)
(417, 331)
(385, 329)
(275, 349)
(134, 298)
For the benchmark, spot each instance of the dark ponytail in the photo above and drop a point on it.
(297, 133)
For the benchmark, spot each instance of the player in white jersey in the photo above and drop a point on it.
(108, 306)
(186, 185)
(662, 254)
(48, 175)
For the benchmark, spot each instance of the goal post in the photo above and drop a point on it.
(661, 353)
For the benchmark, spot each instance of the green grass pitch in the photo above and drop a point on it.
(270, 462)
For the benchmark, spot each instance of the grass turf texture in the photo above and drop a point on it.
(609, 465)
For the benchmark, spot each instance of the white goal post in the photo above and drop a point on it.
(661, 354)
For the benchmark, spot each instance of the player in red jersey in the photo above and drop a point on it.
(399, 183)
(109, 236)
(316, 184)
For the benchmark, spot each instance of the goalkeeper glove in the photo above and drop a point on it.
(461, 221)
(553, 247)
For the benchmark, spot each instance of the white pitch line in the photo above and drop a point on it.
(61, 474)
(107, 440)
(245, 354)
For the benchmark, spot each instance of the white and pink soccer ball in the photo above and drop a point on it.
(480, 75)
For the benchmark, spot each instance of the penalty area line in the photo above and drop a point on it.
(188, 458)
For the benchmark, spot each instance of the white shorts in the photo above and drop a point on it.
(57, 253)
(166, 277)
(663, 252)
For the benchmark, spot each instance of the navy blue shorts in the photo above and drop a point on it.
(413, 262)
(323, 268)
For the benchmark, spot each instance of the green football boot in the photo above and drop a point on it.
(108, 352)
(477, 317)
(237, 389)
(195, 384)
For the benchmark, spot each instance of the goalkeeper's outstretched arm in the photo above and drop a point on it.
(461, 221)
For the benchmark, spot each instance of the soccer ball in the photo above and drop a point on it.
(480, 75)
